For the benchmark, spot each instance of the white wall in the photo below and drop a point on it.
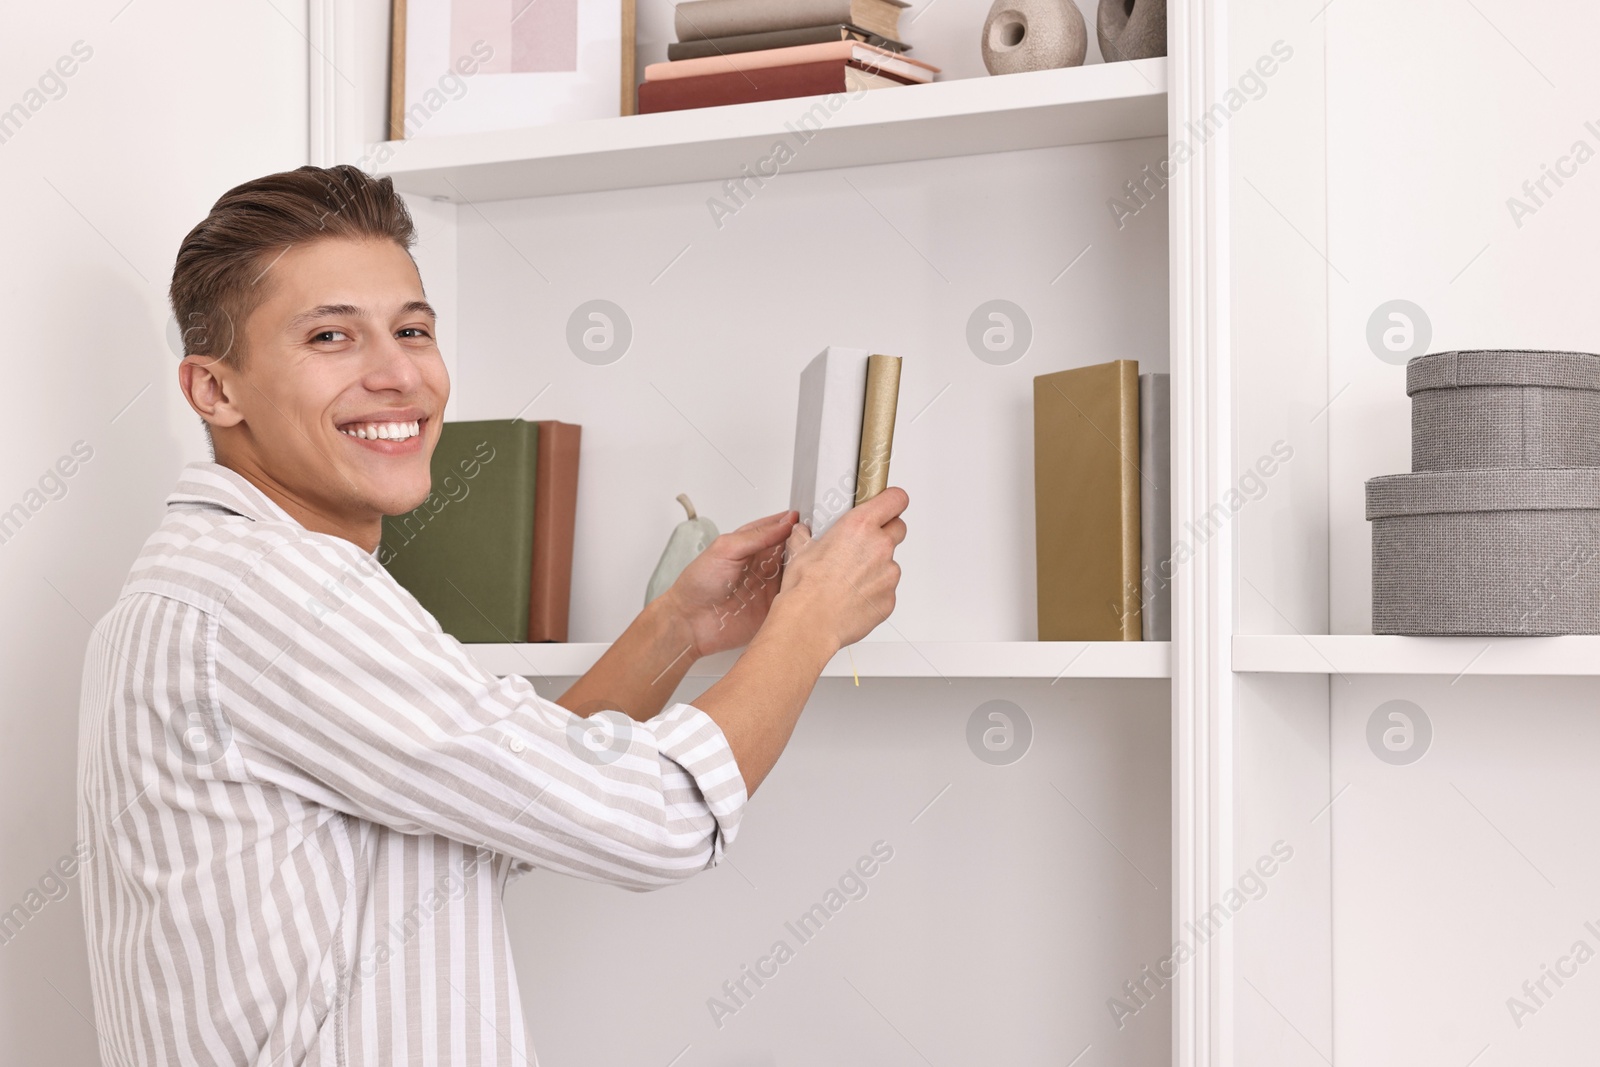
(1459, 876)
(177, 103)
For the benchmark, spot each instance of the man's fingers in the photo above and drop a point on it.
(755, 536)
(764, 520)
(885, 506)
(799, 537)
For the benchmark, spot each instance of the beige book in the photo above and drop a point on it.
(877, 426)
(1086, 502)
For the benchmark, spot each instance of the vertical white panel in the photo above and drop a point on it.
(1203, 467)
(1283, 988)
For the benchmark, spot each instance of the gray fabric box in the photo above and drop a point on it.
(1489, 408)
(1486, 552)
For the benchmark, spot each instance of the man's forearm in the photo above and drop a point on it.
(758, 701)
(640, 670)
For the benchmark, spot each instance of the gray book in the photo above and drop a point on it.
(697, 20)
(1155, 505)
(827, 436)
(758, 42)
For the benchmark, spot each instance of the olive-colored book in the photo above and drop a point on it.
(877, 426)
(1086, 502)
(466, 553)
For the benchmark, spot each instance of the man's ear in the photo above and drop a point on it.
(209, 384)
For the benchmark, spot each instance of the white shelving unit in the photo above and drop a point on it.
(1050, 660)
(956, 193)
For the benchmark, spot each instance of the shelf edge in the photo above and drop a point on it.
(883, 659)
(1575, 655)
(1015, 112)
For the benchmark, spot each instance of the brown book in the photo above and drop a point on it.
(1086, 502)
(764, 83)
(555, 515)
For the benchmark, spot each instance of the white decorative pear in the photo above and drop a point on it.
(691, 537)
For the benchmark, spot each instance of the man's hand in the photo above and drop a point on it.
(723, 595)
(834, 590)
(844, 581)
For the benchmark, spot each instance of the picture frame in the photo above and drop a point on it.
(472, 66)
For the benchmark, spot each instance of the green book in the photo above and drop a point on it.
(467, 553)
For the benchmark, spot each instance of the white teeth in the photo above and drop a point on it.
(384, 431)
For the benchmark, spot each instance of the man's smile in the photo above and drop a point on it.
(391, 433)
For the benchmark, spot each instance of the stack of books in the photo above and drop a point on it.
(489, 553)
(1102, 469)
(737, 51)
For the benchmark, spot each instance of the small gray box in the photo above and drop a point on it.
(1486, 552)
(1493, 408)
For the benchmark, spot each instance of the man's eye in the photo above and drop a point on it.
(413, 331)
(330, 335)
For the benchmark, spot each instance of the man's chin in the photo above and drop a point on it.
(396, 495)
(403, 504)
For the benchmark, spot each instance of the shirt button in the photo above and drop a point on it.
(515, 744)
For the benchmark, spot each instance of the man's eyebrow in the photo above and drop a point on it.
(305, 318)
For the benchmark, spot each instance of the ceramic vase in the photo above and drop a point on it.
(1024, 35)
(1131, 29)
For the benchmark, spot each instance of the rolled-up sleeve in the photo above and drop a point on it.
(335, 684)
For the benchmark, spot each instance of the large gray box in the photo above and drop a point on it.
(1504, 408)
(1486, 552)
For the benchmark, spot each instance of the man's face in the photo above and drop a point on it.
(342, 388)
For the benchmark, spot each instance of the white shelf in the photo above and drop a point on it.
(887, 659)
(1076, 105)
(1340, 654)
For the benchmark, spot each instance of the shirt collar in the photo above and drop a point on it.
(205, 484)
(213, 485)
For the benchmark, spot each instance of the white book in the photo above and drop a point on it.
(827, 436)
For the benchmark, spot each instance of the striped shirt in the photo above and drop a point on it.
(303, 803)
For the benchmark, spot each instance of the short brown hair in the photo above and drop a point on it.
(215, 282)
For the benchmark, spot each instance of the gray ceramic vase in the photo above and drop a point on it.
(1024, 35)
(1131, 29)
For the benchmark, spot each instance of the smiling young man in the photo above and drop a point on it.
(304, 800)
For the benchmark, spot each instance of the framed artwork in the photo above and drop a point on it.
(468, 66)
